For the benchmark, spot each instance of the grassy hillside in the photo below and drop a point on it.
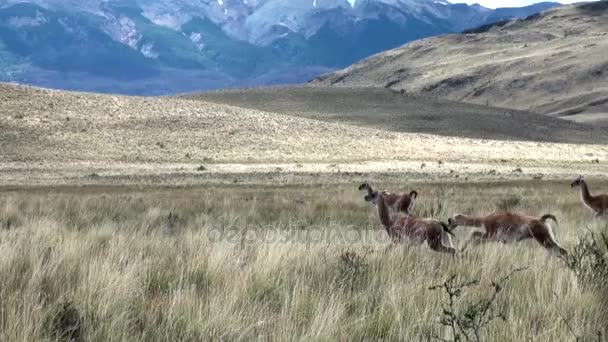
(553, 63)
(390, 110)
(51, 136)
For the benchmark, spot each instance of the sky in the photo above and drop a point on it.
(507, 3)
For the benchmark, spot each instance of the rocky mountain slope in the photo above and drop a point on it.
(168, 46)
(554, 63)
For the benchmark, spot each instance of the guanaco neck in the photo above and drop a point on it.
(585, 194)
(383, 212)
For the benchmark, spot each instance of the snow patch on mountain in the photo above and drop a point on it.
(197, 39)
(123, 30)
(18, 22)
(171, 20)
(147, 50)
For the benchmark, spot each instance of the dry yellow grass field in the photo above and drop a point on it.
(267, 263)
(51, 137)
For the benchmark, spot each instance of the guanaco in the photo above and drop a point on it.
(415, 229)
(509, 227)
(399, 202)
(598, 204)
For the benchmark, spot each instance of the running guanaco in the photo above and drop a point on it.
(399, 202)
(416, 230)
(509, 227)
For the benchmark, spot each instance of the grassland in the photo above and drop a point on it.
(54, 137)
(164, 219)
(306, 262)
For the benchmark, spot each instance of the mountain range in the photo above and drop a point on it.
(152, 47)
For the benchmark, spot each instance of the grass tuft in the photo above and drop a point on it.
(65, 323)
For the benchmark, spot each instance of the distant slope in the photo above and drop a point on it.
(390, 110)
(554, 63)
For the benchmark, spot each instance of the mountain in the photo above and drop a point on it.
(553, 63)
(169, 46)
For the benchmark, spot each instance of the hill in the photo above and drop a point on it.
(552, 63)
(390, 110)
(53, 137)
(170, 46)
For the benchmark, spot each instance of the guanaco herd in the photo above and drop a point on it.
(504, 227)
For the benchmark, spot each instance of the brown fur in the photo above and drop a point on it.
(398, 202)
(414, 229)
(598, 204)
(509, 227)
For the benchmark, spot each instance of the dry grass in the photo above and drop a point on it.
(553, 63)
(111, 264)
(55, 137)
(391, 110)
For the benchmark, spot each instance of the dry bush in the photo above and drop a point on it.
(468, 323)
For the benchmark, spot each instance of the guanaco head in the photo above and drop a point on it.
(577, 182)
(458, 219)
(452, 224)
(365, 186)
(371, 195)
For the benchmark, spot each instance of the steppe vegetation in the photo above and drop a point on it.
(299, 262)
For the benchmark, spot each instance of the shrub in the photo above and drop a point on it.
(467, 322)
(351, 269)
(589, 260)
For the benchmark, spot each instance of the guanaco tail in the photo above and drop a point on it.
(598, 204)
(415, 229)
(509, 227)
(398, 202)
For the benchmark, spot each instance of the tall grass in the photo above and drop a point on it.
(241, 264)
